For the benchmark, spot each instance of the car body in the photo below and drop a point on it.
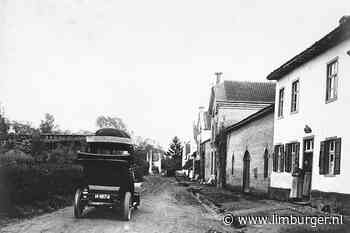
(109, 179)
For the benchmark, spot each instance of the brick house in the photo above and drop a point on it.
(249, 150)
(230, 102)
(310, 136)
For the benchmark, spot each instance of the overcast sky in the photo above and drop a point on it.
(149, 62)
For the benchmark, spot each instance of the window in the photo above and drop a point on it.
(295, 96)
(280, 102)
(330, 153)
(292, 157)
(232, 164)
(266, 164)
(332, 81)
(278, 158)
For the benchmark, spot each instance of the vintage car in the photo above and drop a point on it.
(108, 169)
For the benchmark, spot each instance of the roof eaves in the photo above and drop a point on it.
(336, 36)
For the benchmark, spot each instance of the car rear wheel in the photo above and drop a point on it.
(78, 206)
(127, 207)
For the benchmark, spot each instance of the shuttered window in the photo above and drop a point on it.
(281, 158)
(292, 156)
(296, 157)
(288, 157)
(330, 156)
(266, 163)
(275, 159)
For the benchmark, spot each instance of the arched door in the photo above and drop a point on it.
(246, 171)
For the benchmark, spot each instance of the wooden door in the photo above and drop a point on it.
(246, 171)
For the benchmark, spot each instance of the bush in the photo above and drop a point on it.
(61, 155)
(24, 183)
(15, 156)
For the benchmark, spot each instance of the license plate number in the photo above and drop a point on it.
(102, 196)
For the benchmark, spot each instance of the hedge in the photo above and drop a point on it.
(26, 182)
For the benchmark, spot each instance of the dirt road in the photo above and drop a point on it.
(165, 207)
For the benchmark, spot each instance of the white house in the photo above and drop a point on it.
(311, 137)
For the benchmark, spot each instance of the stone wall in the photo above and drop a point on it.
(254, 137)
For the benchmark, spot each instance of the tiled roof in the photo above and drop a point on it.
(335, 37)
(238, 91)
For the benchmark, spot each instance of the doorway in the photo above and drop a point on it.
(308, 152)
(246, 172)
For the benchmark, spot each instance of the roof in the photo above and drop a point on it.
(112, 132)
(243, 91)
(335, 37)
(257, 115)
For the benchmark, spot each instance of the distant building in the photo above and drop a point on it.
(311, 138)
(186, 152)
(230, 102)
(202, 134)
(249, 152)
(208, 161)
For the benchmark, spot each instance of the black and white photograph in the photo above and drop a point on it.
(187, 116)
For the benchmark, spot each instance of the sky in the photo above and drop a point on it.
(152, 63)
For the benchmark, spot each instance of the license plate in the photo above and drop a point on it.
(102, 196)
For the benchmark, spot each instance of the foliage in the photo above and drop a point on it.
(175, 153)
(48, 124)
(4, 126)
(25, 182)
(111, 122)
(23, 128)
(62, 154)
(15, 156)
(141, 168)
(38, 146)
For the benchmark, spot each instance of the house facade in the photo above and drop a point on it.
(230, 102)
(249, 152)
(202, 134)
(311, 139)
(208, 161)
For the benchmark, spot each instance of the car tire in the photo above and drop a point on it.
(127, 207)
(78, 206)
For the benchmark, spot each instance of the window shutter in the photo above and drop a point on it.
(324, 158)
(288, 159)
(337, 156)
(282, 158)
(296, 158)
(275, 159)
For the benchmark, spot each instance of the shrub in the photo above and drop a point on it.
(23, 183)
(15, 156)
(61, 155)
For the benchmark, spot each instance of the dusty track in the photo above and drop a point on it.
(165, 207)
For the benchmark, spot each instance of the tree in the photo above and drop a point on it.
(48, 125)
(111, 122)
(4, 126)
(175, 152)
(23, 128)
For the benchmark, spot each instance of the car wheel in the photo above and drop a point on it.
(127, 207)
(78, 206)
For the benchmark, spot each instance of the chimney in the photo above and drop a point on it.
(345, 19)
(218, 77)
